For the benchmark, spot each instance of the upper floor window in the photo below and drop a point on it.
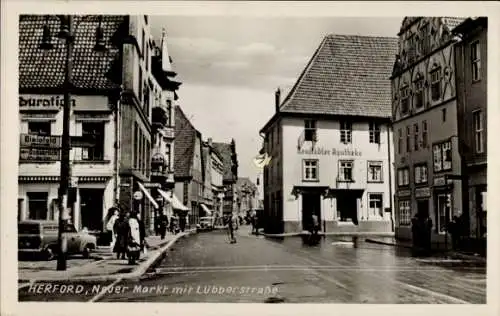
(345, 170)
(167, 156)
(345, 132)
(442, 156)
(419, 92)
(310, 170)
(475, 56)
(436, 83)
(424, 134)
(408, 139)
(420, 174)
(94, 132)
(424, 39)
(374, 132)
(310, 130)
(477, 119)
(416, 136)
(405, 99)
(403, 177)
(412, 54)
(146, 98)
(140, 85)
(39, 128)
(374, 171)
(143, 44)
(400, 141)
(169, 112)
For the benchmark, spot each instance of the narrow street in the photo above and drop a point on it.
(206, 268)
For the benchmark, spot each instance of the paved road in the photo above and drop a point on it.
(207, 268)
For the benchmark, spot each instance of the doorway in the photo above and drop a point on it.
(311, 204)
(347, 207)
(422, 208)
(91, 205)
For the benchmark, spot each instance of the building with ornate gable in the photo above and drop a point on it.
(424, 113)
(331, 143)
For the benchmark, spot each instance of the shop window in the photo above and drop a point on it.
(436, 83)
(37, 205)
(345, 171)
(415, 136)
(310, 130)
(39, 128)
(346, 132)
(375, 171)
(375, 204)
(405, 100)
(404, 213)
(420, 174)
(374, 132)
(477, 119)
(93, 132)
(476, 61)
(310, 170)
(442, 156)
(403, 177)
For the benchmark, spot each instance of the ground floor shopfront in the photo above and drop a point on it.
(440, 202)
(92, 196)
(337, 209)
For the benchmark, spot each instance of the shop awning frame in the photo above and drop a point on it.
(172, 199)
(206, 209)
(148, 195)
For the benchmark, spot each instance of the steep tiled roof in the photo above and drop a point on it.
(39, 68)
(347, 75)
(225, 152)
(185, 135)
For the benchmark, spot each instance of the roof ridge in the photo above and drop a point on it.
(361, 36)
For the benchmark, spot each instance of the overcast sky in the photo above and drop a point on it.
(231, 66)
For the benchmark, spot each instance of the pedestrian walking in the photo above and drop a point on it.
(230, 228)
(134, 242)
(182, 222)
(113, 215)
(453, 230)
(121, 230)
(163, 225)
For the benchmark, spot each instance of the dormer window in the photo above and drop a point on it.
(436, 83)
(405, 99)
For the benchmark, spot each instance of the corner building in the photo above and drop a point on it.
(425, 125)
(330, 141)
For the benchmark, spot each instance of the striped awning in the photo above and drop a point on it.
(56, 178)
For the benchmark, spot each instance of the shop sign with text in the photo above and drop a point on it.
(330, 152)
(45, 102)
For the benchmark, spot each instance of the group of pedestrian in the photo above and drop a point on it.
(128, 234)
(421, 227)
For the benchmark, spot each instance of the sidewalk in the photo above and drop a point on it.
(304, 233)
(102, 266)
(439, 254)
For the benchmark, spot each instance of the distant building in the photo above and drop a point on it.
(213, 178)
(330, 141)
(425, 125)
(471, 58)
(246, 192)
(189, 182)
(230, 164)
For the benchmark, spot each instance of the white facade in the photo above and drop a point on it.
(91, 171)
(329, 152)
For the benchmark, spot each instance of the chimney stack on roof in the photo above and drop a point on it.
(277, 99)
(209, 141)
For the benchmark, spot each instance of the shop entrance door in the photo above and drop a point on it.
(311, 204)
(91, 209)
(423, 208)
(347, 207)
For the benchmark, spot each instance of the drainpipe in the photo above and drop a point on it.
(389, 130)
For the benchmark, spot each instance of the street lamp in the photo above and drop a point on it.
(67, 33)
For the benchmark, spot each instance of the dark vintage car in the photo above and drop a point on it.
(40, 237)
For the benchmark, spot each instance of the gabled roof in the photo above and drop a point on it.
(241, 182)
(39, 68)
(185, 140)
(224, 149)
(347, 75)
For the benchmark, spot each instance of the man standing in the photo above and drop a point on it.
(230, 227)
(315, 225)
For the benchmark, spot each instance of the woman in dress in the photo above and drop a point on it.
(121, 229)
(134, 243)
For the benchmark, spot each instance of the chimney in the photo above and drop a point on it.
(277, 99)
(209, 141)
(165, 57)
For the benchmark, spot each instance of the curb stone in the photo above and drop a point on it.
(155, 256)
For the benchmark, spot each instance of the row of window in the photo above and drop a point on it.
(310, 132)
(435, 85)
(420, 137)
(93, 131)
(420, 175)
(310, 170)
(442, 216)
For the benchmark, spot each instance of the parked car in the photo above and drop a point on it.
(40, 237)
(206, 223)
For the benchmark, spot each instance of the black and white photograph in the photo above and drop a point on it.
(246, 158)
